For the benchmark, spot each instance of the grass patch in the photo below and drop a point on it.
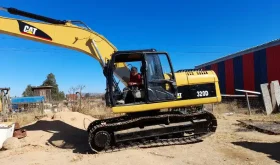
(239, 110)
(94, 108)
(23, 118)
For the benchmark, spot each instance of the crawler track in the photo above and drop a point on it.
(173, 128)
(151, 143)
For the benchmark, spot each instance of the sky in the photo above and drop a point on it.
(191, 31)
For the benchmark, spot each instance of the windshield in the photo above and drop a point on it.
(158, 66)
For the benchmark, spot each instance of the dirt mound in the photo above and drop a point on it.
(11, 143)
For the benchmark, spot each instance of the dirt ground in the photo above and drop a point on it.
(61, 139)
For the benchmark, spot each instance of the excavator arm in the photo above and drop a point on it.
(63, 34)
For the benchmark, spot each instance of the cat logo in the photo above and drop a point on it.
(29, 30)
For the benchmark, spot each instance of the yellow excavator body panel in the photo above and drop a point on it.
(195, 77)
(183, 80)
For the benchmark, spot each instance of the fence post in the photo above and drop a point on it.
(248, 103)
(247, 97)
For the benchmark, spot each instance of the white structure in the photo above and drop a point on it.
(6, 131)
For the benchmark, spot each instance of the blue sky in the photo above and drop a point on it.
(191, 31)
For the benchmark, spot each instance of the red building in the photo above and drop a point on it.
(71, 97)
(247, 69)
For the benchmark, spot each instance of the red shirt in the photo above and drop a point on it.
(135, 78)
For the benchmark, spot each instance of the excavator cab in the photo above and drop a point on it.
(158, 80)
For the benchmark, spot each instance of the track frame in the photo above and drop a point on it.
(136, 130)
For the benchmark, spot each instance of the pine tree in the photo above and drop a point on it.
(28, 91)
(55, 94)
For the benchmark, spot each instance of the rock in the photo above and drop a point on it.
(11, 143)
(77, 158)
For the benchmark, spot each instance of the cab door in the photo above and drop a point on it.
(160, 79)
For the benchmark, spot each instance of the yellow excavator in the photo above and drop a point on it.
(165, 108)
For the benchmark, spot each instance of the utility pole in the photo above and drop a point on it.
(5, 96)
(2, 102)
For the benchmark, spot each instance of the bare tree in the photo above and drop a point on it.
(72, 92)
(79, 89)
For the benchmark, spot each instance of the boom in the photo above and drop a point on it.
(63, 34)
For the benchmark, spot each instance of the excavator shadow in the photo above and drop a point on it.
(271, 149)
(64, 136)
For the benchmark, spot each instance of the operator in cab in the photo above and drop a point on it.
(135, 77)
(135, 80)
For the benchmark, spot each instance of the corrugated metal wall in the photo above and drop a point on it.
(222, 76)
(248, 71)
(260, 68)
(238, 73)
(273, 59)
(229, 76)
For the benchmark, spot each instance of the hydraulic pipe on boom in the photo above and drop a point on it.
(63, 34)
